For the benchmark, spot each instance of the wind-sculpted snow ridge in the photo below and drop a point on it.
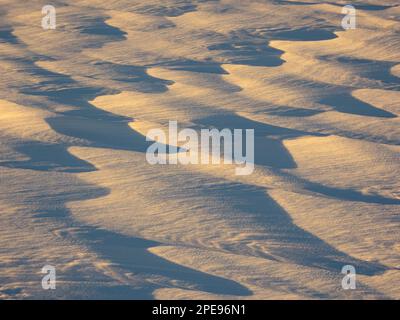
(77, 192)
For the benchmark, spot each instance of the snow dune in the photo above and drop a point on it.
(76, 190)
